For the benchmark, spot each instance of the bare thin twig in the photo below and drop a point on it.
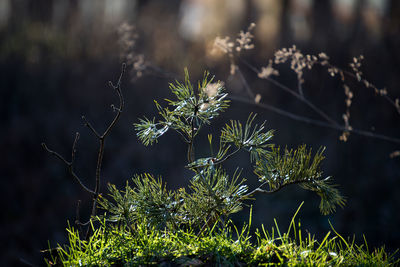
(101, 138)
(69, 164)
(78, 217)
(89, 125)
(117, 89)
(74, 147)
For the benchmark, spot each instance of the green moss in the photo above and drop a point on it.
(112, 245)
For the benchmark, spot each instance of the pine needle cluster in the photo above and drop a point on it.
(213, 195)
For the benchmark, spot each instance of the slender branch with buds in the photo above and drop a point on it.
(101, 138)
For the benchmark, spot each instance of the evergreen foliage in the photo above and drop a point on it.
(146, 224)
(212, 194)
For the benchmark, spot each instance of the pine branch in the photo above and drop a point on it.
(250, 138)
(190, 110)
(297, 167)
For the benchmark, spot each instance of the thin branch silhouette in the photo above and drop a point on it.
(101, 138)
(70, 164)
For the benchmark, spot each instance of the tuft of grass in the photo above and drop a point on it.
(113, 245)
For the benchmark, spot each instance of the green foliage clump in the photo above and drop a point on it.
(212, 194)
(147, 224)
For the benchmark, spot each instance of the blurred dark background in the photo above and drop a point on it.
(56, 57)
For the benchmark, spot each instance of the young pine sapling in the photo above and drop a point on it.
(212, 194)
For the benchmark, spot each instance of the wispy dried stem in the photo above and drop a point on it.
(314, 121)
(292, 92)
(381, 92)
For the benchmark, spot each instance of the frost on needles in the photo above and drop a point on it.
(213, 194)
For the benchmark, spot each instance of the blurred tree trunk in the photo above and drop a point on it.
(394, 18)
(249, 13)
(40, 10)
(72, 13)
(392, 30)
(285, 35)
(358, 25)
(19, 12)
(323, 33)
